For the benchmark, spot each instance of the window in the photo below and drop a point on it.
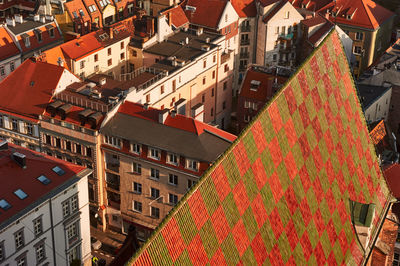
(12, 66)
(96, 57)
(224, 105)
(135, 148)
(162, 89)
(174, 85)
(277, 30)
(37, 226)
(154, 153)
(214, 58)
(82, 64)
(287, 13)
(173, 179)
(173, 199)
(109, 62)
(39, 36)
(2, 71)
(137, 188)
(72, 232)
(147, 98)
(204, 80)
(190, 183)
(112, 141)
(122, 56)
(357, 50)
(14, 124)
(40, 253)
(212, 112)
(225, 85)
(74, 254)
(246, 118)
(213, 74)
(203, 98)
(27, 42)
(155, 212)
(155, 193)
(137, 206)
(70, 206)
(191, 164)
(204, 64)
(109, 51)
(43, 179)
(29, 129)
(172, 158)
(359, 36)
(74, 204)
(122, 45)
(20, 194)
(21, 261)
(155, 173)
(2, 255)
(212, 92)
(78, 148)
(274, 57)
(1, 121)
(226, 68)
(19, 239)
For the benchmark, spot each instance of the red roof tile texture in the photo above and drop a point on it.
(178, 16)
(34, 92)
(202, 15)
(7, 45)
(13, 177)
(392, 175)
(245, 8)
(83, 46)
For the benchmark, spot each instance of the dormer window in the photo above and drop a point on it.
(172, 158)
(192, 165)
(51, 32)
(75, 14)
(81, 12)
(362, 215)
(154, 153)
(136, 148)
(112, 141)
(27, 41)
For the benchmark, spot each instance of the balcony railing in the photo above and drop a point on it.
(114, 204)
(113, 167)
(113, 185)
(244, 55)
(245, 28)
(244, 41)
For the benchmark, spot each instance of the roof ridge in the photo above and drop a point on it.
(368, 13)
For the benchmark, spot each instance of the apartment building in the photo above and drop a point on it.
(278, 32)
(102, 51)
(151, 158)
(10, 7)
(375, 101)
(188, 70)
(154, 7)
(44, 209)
(70, 131)
(22, 108)
(76, 17)
(368, 24)
(10, 55)
(33, 34)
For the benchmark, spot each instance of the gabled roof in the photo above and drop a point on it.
(26, 92)
(178, 16)
(280, 194)
(82, 46)
(392, 176)
(274, 10)
(201, 141)
(14, 177)
(77, 10)
(364, 13)
(245, 8)
(7, 46)
(202, 15)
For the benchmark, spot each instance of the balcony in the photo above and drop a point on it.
(245, 28)
(244, 55)
(114, 204)
(225, 56)
(113, 185)
(286, 36)
(113, 167)
(244, 41)
(242, 68)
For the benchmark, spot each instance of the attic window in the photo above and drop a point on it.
(4, 204)
(44, 180)
(75, 14)
(32, 83)
(362, 214)
(20, 194)
(81, 12)
(58, 170)
(92, 8)
(254, 84)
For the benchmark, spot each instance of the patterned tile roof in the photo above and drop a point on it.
(280, 194)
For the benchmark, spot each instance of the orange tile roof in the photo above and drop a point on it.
(202, 15)
(392, 176)
(178, 16)
(76, 6)
(7, 45)
(52, 56)
(245, 8)
(82, 46)
(34, 92)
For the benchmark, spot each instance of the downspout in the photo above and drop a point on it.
(216, 87)
(52, 233)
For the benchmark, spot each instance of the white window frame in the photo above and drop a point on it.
(173, 196)
(192, 164)
(154, 174)
(134, 207)
(174, 179)
(136, 168)
(136, 191)
(172, 158)
(136, 148)
(154, 153)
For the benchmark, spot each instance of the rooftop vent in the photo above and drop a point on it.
(96, 94)
(102, 81)
(162, 115)
(180, 62)
(83, 115)
(199, 31)
(208, 40)
(173, 113)
(112, 99)
(205, 47)
(43, 19)
(36, 17)
(94, 119)
(3, 145)
(10, 22)
(64, 110)
(20, 159)
(19, 18)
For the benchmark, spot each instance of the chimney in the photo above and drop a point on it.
(162, 115)
(169, 19)
(10, 22)
(60, 62)
(36, 17)
(19, 18)
(173, 113)
(110, 32)
(43, 19)
(102, 81)
(20, 159)
(152, 27)
(327, 15)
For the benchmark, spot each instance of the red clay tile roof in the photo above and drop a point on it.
(179, 121)
(7, 46)
(392, 175)
(275, 10)
(314, 21)
(34, 92)
(83, 46)
(178, 16)
(94, 14)
(76, 6)
(317, 37)
(202, 15)
(367, 13)
(314, 5)
(280, 194)
(52, 56)
(245, 8)
(13, 177)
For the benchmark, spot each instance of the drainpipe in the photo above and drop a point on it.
(52, 232)
(216, 88)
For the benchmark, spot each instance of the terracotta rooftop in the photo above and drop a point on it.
(280, 194)
(178, 16)
(8, 48)
(245, 8)
(392, 176)
(34, 92)
(202, 15)
(14, 177)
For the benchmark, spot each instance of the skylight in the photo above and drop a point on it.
(4, 204)
(58, 170)
(20, 194)
(44, 180)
